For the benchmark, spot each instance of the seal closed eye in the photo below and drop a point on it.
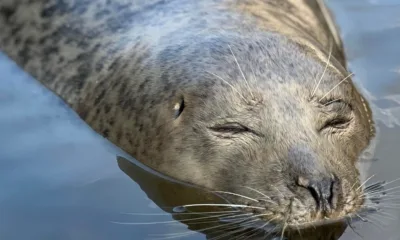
(339, 115)
(251, 98)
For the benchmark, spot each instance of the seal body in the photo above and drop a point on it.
(228, 95)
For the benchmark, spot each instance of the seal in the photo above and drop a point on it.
(250, 98)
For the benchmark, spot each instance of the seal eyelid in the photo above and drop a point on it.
(338, 123)
(232, 128)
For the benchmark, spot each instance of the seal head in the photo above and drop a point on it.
(266, 118)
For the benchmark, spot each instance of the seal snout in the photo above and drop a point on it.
(324, 190)
(317, 184)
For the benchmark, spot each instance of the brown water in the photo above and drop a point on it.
(60, 180)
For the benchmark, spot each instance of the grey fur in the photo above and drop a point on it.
(123, 66)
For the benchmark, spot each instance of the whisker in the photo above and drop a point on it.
(283, 230)
(267, 200)
(166, 222)
(254, 231)
(384, 194)
(239, 217)
(383, 213)
(375, 194)
(352, 228)
(378, 193)
(223, 229)
(364, 182)
(226, 82)
(262, 194)
(210, 228)
(236, 216)
(389, 198)
(386, 190)
(344, 79)
(221, 205)
(186, 213)
(384, 206)
(385, 216)
(233, 232)
(235, 194)
(261, 228)
(389, 204)
(185, 233)
(378, 186)
(249, 231)
(395, 180)
(362, 219)
(298, 230)
(376, 223)
(323, 73)
(279, 191)
(273, 230)
(240, 69)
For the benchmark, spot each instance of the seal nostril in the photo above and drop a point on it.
(315, 194)
(323, 191)
(331, 190)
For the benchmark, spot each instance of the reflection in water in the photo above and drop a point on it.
(215, 222)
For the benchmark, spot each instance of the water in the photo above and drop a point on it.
(60, 180)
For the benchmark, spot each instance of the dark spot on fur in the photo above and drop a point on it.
(15, 30)
(123, 88)
(7, 12)
(115, 63)
(98, 111)
(78, 80)
(45, 26)
(29, 41)
(50, 50)
(100, 97)
(144, 83)
(119, 135)
(98, 66)
(42, 40)
(59, 7)
(107, 108)
(106, 133)
(165, 77)
(127, 103)
(17, 40)
(83, 112)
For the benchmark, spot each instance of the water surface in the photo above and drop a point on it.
(60, 180)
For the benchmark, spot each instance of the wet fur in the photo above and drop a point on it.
(123, 65)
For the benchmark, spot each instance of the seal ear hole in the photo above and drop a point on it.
(178, 107)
